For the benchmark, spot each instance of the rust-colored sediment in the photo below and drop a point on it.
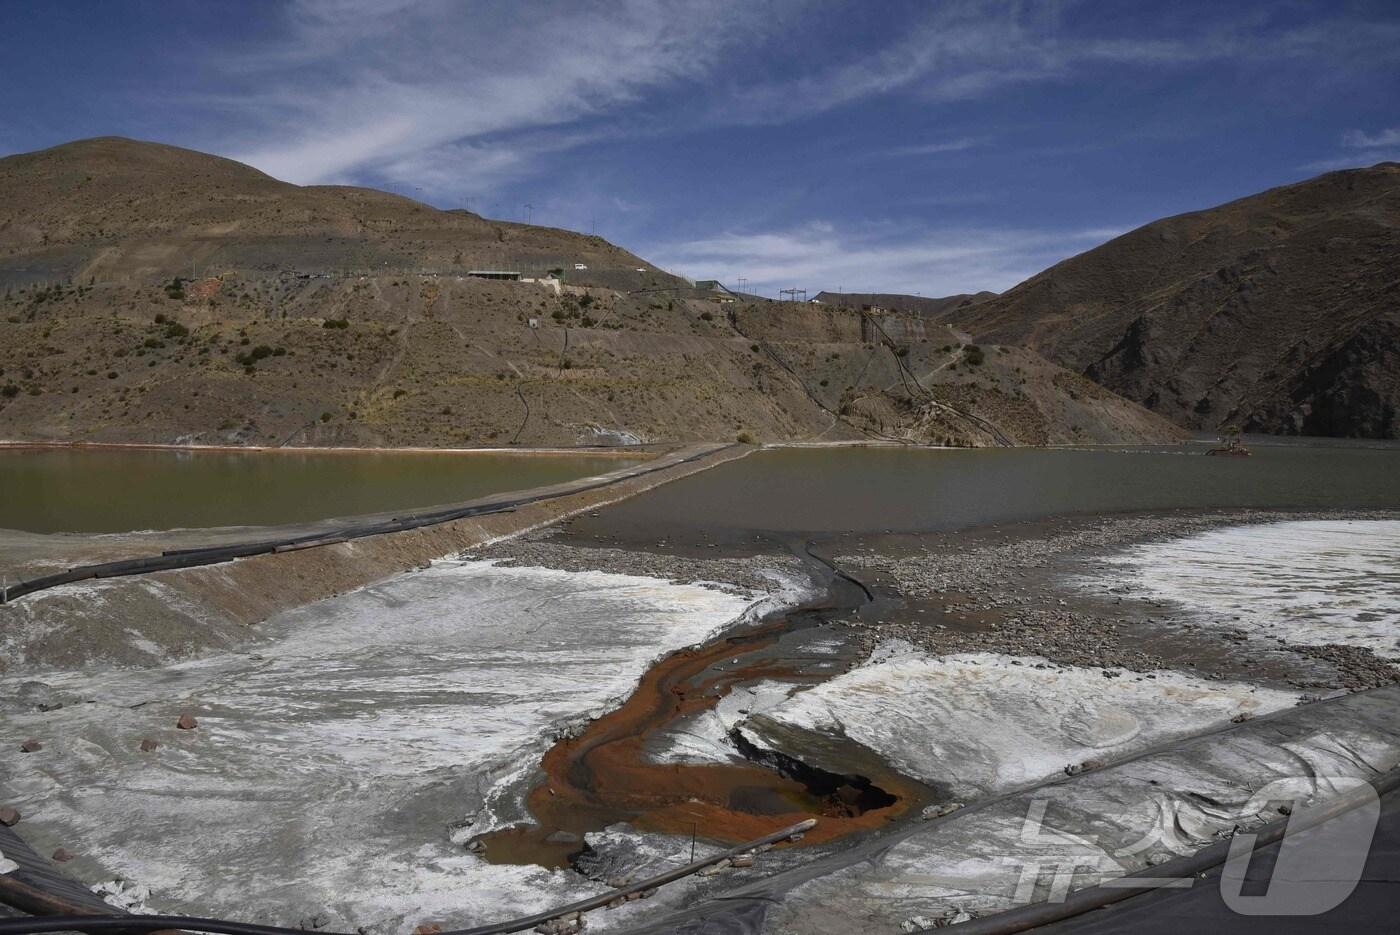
(604, 775)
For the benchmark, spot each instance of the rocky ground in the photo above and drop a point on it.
(1017, 589)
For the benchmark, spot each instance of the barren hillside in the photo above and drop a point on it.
(1278, 313)
(159, 295)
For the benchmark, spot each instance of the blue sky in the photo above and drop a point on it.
(930, 146)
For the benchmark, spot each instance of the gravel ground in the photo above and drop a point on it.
(1013, 589)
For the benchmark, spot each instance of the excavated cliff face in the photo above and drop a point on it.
(1276, 312)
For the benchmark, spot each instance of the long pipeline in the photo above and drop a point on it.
(192, 558)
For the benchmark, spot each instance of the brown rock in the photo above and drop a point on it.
(147, 744)
(187, 722)
(62, 856)
(428, 928)
(8, 816)
(30, 746)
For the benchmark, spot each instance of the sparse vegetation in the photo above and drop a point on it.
(420, 340)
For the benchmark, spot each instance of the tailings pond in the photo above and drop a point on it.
(861, 490)
(122, 490)
(506, 731)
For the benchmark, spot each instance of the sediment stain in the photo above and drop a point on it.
(605, 775)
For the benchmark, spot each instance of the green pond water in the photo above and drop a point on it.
(87, 490)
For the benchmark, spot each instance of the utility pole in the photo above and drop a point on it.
(530, 216)
(742, 280)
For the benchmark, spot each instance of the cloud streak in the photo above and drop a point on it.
(932, 149)
(459, 99)
(966, 49)
(1360, 139)
(878, 258)
(1366, 149)
(440, 88)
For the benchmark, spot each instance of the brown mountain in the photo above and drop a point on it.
(1277, 313)
(113, 209)
(155, 294)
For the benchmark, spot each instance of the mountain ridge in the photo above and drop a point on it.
(155, 294)
(1276, 312)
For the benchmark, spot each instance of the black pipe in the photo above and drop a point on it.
(193, 558)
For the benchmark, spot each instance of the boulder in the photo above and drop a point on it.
(187, 721)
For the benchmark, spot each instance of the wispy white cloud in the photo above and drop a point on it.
(1365, 149)
(438, 88)
(966, 49)
(1360, 139)
(876, 258)
(459, 99)
(1354, 160)
(932, 149)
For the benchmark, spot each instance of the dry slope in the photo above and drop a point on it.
(1278, 313)
(154, 294)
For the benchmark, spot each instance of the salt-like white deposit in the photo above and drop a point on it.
(332, 760)
(704, 737)
(1031, 845)
(1310, 582)
(978, 723)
